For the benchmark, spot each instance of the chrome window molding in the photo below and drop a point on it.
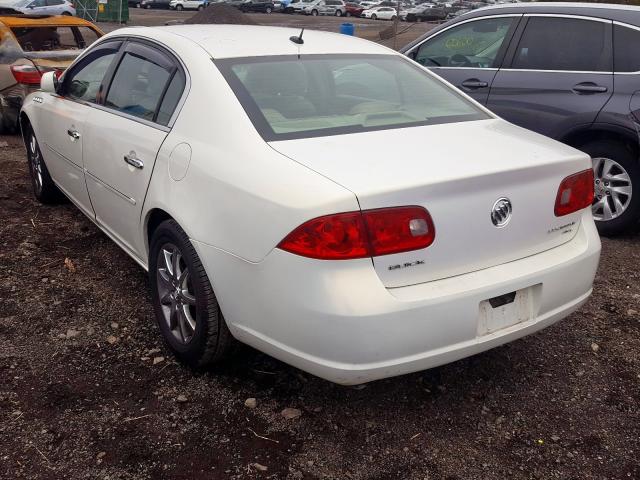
(568, 15)
(554, 71)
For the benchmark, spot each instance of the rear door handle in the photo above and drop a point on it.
(73, 134)
(474, 83)
(589, 87)
(133, 160)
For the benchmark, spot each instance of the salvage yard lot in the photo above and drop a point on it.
(88, 391)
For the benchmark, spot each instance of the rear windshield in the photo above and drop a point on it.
(319, 95)
(47, 38)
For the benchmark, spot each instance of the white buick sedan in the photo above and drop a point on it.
(322, 199)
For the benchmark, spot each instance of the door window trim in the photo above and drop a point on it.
(501, 52)
(508, 59)
(108, 78)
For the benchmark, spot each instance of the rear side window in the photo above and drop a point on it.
(137, 87)
(626, 45)
(47, 38)
(565, 44)
(171, 98)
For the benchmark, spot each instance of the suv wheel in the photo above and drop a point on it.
(338, 13)
(374, 16)
(268, 10)
(179, 7)
(185, 306)
(616, 171)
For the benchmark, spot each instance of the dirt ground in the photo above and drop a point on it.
(88, 391)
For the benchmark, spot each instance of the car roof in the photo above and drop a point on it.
(44, 20)
(228, 41)
(621, 13)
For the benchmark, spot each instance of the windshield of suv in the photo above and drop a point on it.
(320, 95)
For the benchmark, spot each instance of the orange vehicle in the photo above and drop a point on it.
(32, 45)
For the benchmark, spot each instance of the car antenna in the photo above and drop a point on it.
(298, 40)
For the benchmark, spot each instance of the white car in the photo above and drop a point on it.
(380, 13)
(41, 7)
(187, 5)
(323, 199)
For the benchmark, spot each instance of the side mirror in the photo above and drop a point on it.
(49, 82)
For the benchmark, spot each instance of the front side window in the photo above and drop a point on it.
(626, 45)
(137, 86)
(320, 95)
(473, 44)
(84, 83)
(566, 44)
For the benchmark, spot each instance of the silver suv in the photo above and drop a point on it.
(326, 7)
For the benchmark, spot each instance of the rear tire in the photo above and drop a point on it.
(185, 306)
(338, 13)
(44, 189)
(624, 208)
(200, 8)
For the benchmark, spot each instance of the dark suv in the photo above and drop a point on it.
(568, 71)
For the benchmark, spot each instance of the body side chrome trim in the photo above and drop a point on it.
(110, 188)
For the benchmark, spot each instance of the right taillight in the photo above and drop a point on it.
(26, 74)
(575, 193)
(369, 233)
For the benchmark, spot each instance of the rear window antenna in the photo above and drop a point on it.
(298, 40)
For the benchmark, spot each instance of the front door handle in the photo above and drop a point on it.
(589, 87)
(73, 134)
(474, 83)
(134, 161)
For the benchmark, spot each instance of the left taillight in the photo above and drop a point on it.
(368, 233)
(26, 74)
(575, 193)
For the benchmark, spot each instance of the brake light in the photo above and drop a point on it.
(362, 234)
(575, 193)
(26, 74)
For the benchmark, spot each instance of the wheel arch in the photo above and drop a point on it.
(153, 219)
(24, 122)
(600, 132)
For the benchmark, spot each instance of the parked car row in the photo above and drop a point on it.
(330, 241)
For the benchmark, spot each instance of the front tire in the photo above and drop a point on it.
(374, 17)
(338, 13)
(179, 8)
(185, 306)
(44, 189)
(314, 13)
(616, 169)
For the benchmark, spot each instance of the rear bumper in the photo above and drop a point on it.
(337, 321)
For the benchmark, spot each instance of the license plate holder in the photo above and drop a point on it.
(506, 310)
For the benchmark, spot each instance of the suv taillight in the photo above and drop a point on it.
(363, 234)
(575, 193)
(26, 74)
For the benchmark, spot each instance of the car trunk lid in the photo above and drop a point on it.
(458, 172)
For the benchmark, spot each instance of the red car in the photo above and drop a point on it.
(353, 10)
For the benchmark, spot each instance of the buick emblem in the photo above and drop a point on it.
(501, 212)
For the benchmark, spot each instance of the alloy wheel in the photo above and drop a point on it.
(36, 162)
(613, 189)
(175, 290)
